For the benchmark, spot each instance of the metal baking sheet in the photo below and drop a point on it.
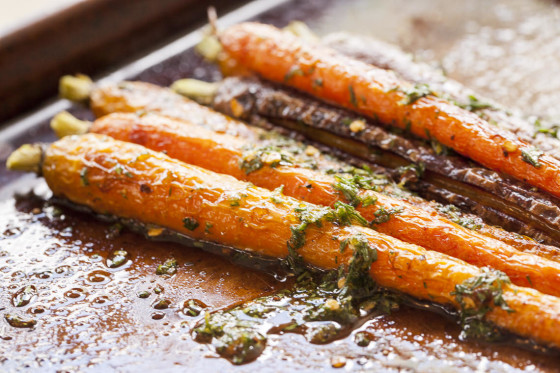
(89, 317)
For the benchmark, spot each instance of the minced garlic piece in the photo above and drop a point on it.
(357, 125)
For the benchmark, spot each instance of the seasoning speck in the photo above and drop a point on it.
(357, 126)
(338, 362)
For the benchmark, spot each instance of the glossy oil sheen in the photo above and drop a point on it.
(90, 316)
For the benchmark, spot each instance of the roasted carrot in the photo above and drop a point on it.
(142, 97)
(139, 97)
(224, 154)
(131, 181)
(283, 58)
(406, 66)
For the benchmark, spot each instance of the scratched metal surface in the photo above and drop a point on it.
(89, 316)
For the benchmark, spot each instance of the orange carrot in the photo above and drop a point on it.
(140, 97)
(283, 58)
(128, 180)
(223, 153)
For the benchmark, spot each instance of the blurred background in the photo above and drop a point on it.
(15, 13)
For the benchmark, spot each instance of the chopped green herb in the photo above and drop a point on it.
(276, 195)
(550, 130)
(417, 169)
(294, 70)
(477, 296)
(363, 339)
(415, 93)
(208, 227)
(351, 187)
(117, 258)
(454, 214)
(369, 201)
(158, 289)
(17, 322)
(190, 223)
(357, 275)
(296, 241)
(438, 147)
(255, 159)
(24, 295)
(162, 304)
(383, 215)
(169, 267)
(347, 121)
(317, 307)
(193, 307)
(308, 214)
(407, 125)
(531, 155)
(84, 176)
(346, 214)
(475, 104)
(352, 96)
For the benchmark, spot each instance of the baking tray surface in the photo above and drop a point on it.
(89, 317)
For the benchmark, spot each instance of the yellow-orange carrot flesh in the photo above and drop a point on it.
(131, 181)
(283, 58)
(224, 154)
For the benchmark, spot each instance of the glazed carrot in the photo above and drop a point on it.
(139, 97)
(114, 177)
(283, 58)
(224, 154)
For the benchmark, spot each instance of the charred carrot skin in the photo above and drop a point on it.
(223, 153)
(283, 58)
(131, 181)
